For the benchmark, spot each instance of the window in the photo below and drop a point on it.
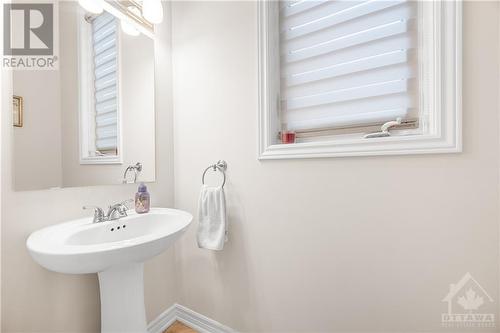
(99, 88)
(335, 72)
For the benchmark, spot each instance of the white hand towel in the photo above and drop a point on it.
(211, 218)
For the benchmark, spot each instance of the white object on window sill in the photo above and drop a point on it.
(384, 129)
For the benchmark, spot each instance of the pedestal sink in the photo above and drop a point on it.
(116, 251)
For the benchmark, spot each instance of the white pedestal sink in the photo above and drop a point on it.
(116, 250)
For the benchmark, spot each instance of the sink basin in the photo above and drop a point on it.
(80, 246)
(116, 250)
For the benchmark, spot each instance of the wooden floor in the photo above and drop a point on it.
(179, 327)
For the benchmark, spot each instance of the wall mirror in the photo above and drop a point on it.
(94, 118)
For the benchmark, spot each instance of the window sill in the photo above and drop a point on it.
(401, 145)
(101, 160)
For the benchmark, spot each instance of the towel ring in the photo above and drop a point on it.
(137, 168)
(221, 165)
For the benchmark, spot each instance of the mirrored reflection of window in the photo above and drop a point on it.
(99, 80)
(105, 56)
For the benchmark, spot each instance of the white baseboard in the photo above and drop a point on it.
(163, 321)
(203, 324)
(188, 317)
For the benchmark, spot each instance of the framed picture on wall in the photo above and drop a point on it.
(17, 111)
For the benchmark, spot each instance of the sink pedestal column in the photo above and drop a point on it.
(122, 299)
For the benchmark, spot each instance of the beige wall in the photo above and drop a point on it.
(344, 244)
(138, 97)
(34, 142)
(340, 244)
(36, 300)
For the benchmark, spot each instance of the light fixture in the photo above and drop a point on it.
(92, 6)
(152, 10)
(129, 28)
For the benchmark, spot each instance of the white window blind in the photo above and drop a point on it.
(105, 56)
(347, 63)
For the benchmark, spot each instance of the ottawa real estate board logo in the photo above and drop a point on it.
(30, 38)
(468, 305)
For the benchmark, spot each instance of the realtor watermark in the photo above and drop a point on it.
(30, 36)
(467, 301)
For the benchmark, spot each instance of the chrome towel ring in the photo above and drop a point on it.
(137, 168)
(221, 166)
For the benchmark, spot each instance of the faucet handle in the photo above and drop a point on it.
(118, 210)
(126, 202)
(98, 213)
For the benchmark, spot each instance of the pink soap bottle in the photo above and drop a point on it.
(142, 199)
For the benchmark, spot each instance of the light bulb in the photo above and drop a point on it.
(129, 28)
(152, 11)
(92, 6)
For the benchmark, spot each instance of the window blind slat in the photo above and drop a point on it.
(389, 44)
(348, 62)
(105, 68)
(106, 106)
(376, 89)
(105, 81)
(313, 12)
(105, 31)
(108, 122)
(348, 120)
(105, 94)
(105, 44)
(385, 74)
(353, 108)
(108, 55)
(106, 117)
(106, 144)
(101, 20)
(302, 25)
(349, 67)
(356, 38)
(106, 131)
(380, 18)
(295, 7)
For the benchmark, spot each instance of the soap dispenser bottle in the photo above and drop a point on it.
(142, 199)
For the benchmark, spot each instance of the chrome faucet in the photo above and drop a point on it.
(115, 212)
(98, 214)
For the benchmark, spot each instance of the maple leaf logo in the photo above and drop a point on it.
(471, 301)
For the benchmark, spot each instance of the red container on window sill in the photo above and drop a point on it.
(287, 137)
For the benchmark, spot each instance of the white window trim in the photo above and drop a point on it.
(86, 96)
(440, 47)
